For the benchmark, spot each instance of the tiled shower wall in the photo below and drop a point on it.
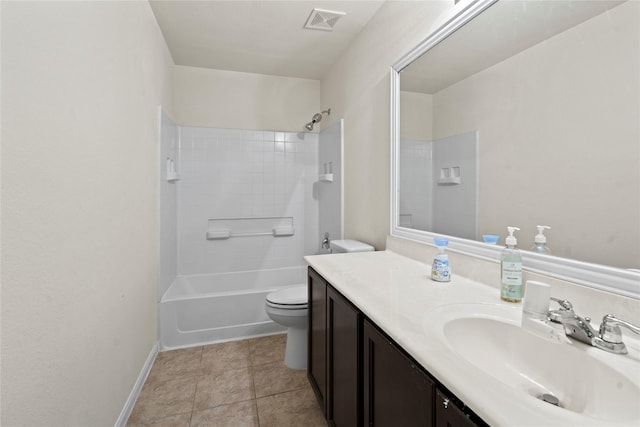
(416, 184)
(168, 268)
(230, 173)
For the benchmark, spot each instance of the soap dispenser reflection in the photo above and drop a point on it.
(540, 241)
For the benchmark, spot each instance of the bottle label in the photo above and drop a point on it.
(440, 271)
(512, 280)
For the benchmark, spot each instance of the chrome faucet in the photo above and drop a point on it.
(608, 337)
(574, 326)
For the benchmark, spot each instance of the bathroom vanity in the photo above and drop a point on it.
(361, 376)
(386, 349)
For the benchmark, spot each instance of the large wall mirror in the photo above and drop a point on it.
(525, 113)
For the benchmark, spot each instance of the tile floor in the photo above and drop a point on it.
(233, 384)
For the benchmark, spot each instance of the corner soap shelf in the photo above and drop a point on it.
(326, 177)
(172, 175)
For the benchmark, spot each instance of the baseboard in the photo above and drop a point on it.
(137, 387)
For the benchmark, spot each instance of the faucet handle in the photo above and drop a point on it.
(566, 310)
(610, 337)
(564, 304)
(610, 329)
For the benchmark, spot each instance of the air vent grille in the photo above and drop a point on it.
(322, 19)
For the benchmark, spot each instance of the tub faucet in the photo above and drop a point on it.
(326, 244)
(608, 337)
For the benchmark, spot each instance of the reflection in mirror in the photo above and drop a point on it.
(526, 116)
(438, 181)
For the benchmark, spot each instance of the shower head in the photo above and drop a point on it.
(317, 117)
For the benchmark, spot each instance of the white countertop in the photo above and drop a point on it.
(397, 292)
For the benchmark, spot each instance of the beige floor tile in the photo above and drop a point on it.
(267, 349)
(225, 356)
(173, 364)
(162, 399)
(272, 378)
(231, 386)
(291, 409)
(181, 420)
(243, 414)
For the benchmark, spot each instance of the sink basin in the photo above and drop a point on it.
(490, 338)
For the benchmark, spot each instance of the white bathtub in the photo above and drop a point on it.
(202, 309)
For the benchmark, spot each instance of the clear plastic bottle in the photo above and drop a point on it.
(441, 270)
(540, 241)
(511, 269)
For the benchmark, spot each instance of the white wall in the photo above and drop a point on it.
(244, 174)
(81, 85)
(357, 89)
(230, 99)
(416, 116)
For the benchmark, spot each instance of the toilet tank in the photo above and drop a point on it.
(341, 246)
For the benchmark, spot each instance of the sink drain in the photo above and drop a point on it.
(549, 398)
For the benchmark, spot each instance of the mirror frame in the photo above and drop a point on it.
(606, 278)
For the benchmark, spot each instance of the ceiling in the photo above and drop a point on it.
(264, 36)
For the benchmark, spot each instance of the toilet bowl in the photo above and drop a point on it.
(289, 307)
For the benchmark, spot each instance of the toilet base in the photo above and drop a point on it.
(296, 350)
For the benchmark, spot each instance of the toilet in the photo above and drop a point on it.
(289, 307)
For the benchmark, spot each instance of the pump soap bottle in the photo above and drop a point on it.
(441, 270)
(511, 269)
(540, 241)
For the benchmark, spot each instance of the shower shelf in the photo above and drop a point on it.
(327, 177)
(172, 175)
(454, 180)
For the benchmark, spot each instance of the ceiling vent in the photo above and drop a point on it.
(321, 19)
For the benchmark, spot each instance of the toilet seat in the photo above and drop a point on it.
(291, 298)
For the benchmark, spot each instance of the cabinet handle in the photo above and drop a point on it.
(445, 403)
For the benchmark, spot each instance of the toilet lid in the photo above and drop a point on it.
(292, 296)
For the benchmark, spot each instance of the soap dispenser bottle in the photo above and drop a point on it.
(540, 241)
(511, 269)
(441, 270)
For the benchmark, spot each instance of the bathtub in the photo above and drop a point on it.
(202, 309)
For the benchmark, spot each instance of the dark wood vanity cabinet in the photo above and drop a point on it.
(362, 378)
(334, 353)
(397, 392)
(343, 357)
(317, 338)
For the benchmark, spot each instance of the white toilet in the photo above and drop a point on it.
(289, 307)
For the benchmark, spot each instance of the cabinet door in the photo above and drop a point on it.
(317, 350)
(396, 391)
(448, 414)
(343, 355)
